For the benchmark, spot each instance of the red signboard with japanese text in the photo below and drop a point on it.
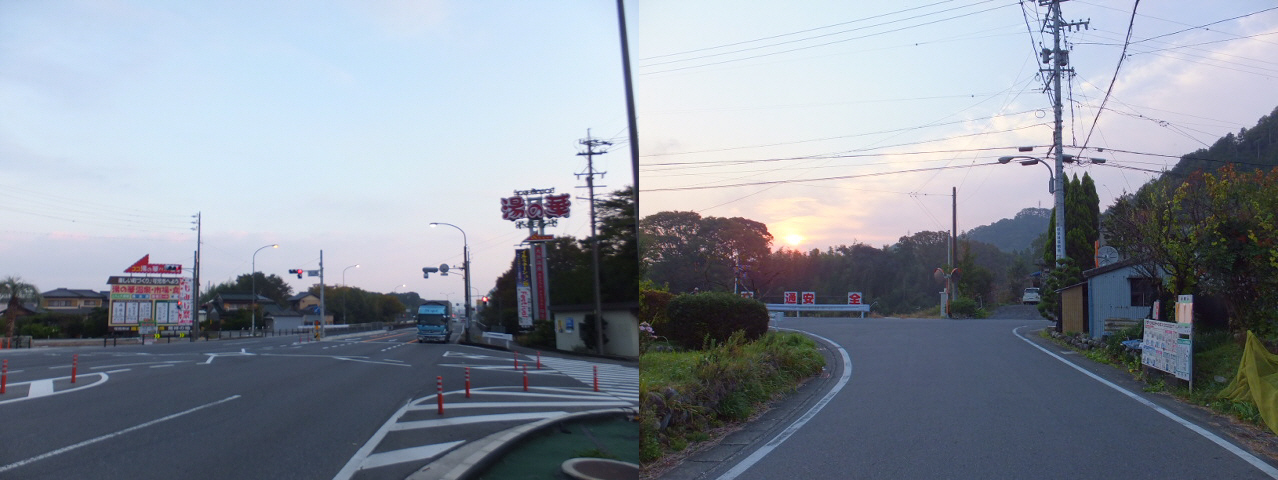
(144, 265)
(854, 298)
(791, 298)
(541, 281)
(808, 298)
(551, 206)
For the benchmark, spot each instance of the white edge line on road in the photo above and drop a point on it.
(109, 436)
(763, 451)
(1231, 448)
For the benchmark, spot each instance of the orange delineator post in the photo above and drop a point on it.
(75, 360)
(596, 378)
(439, 387)
(467, 382)
(4, 375)
(525, 378)
(539, 360)
(516, 354)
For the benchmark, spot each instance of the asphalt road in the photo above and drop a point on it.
(271, 407)
(930, 398)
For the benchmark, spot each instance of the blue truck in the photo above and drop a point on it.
(434, 321)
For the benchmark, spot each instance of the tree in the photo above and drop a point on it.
(18, 292)
(685, 251)
(270, 286)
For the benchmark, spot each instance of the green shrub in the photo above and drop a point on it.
(964, 307)
(696, 320)
(652, 306)
(684, 394)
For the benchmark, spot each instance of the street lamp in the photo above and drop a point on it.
(346, 292)
(397, 287)
(465, 273)
(1055, 186)
(253, 322)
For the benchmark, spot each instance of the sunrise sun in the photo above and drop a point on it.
(794, 239)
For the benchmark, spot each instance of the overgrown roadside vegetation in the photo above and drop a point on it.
(686, 392)
(1216, 358)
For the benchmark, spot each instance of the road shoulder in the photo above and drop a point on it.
(731, 444)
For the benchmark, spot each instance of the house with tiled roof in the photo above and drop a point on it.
(73, 301)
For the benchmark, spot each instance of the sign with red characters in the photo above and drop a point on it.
(144, 265)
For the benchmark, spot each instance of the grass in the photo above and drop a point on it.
(1216, 359)
(685, 394)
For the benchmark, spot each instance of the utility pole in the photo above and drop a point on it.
(591, 144)
(195, 277)
(630, 108)
(1059, 60)
(949, 284)
(321, 305)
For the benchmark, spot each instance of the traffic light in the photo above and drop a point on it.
(298, 271)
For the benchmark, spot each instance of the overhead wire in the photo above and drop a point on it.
(807, 47)
(1122, 55)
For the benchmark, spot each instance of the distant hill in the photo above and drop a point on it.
(1013, 234)
(1249, 149)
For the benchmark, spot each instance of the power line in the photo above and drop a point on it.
(833, 42)
(773, 37)
(1113, 79)
(823, 179)
(1199, 26)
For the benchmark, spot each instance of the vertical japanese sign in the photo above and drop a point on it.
(809, 298)
(541, 281)
(1185, 309)
(791, 298)
(523, 286)
(854, 298)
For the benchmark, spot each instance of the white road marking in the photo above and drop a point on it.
(109, 436)
(794, 427)
(357, 460)
(135, 364)
(407, 455)
(455, 405)
(44, 387)
(40, 388)
(1231, 448)
(499, 417)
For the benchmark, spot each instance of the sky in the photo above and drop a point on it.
(837, 122)
(349, 126)
(341, 126)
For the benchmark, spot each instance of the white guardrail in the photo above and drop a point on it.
(793, 307)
